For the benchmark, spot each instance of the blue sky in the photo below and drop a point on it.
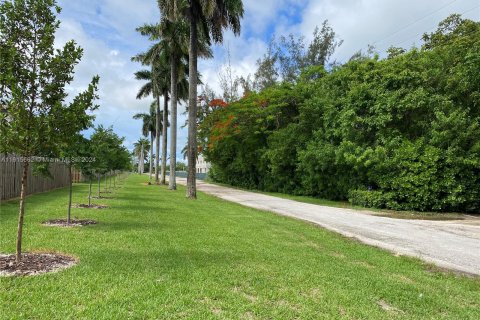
(106, 31)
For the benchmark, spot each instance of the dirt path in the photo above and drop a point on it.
(448, 244)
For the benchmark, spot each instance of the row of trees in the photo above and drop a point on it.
(399, 133)
(185, 32)
(36, 120)
(101, 155)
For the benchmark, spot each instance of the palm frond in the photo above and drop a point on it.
(145, 90)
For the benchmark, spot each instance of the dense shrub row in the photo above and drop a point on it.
(400, 133)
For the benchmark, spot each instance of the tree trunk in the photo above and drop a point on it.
(139, 161)
(157, 140)
(21, 213)
(151, 157)
(172, 183)
(90, 193)
(192, 112)
(69, 193)
(164, 137)
(142, 160)
(99, 186)
(106, 174)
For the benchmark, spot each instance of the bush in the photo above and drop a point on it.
(367, 198)
(407, 127)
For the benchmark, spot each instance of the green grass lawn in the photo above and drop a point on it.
(156, 255)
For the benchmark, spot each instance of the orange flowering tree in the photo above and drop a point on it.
(235, 136)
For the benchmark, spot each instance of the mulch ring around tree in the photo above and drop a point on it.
(92, 206)
(102, 197)
(73, 223)
(35, 264)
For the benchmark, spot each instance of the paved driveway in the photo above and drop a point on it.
(449, 244)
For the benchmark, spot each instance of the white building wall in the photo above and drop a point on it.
(202, 165)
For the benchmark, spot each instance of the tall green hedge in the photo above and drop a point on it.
(400, 133)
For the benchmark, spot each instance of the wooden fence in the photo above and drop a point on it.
(11, 174)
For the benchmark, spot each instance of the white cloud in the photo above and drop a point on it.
(106, 31)
(244, 53)
(117, 87)
(379, 22)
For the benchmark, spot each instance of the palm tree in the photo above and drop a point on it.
(210, 17)
(158, 59)
(139, 150)
(174, 36)
(160, 51)
(149, 128)
(157, 84)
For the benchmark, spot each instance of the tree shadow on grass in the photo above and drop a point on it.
(129, 225)
(140, 208)
(9, 209)
(130, 260)
(139, 198)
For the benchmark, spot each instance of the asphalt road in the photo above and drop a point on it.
(449, 244)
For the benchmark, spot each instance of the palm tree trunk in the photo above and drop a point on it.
(139, 161)
(192, 111)
(90, 193)
(151, 156)
(164, 136)
(69, 193)
(172, 183)
(142, 160)
(21, 213)
(157, 140)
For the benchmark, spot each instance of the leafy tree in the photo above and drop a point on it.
(267, 74)
(180, 166)
(120, 156)
(291, 57)
(33, 80)
(210, 18)
(229, 81)
(72, 144)
(99, 144)
(121, 159)
(395, 51)
(401, 133)
(323, 45)
(235, 138)
(109, 153)
(286, 58)
(73, 153)
(449, 30)
(87, 164)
